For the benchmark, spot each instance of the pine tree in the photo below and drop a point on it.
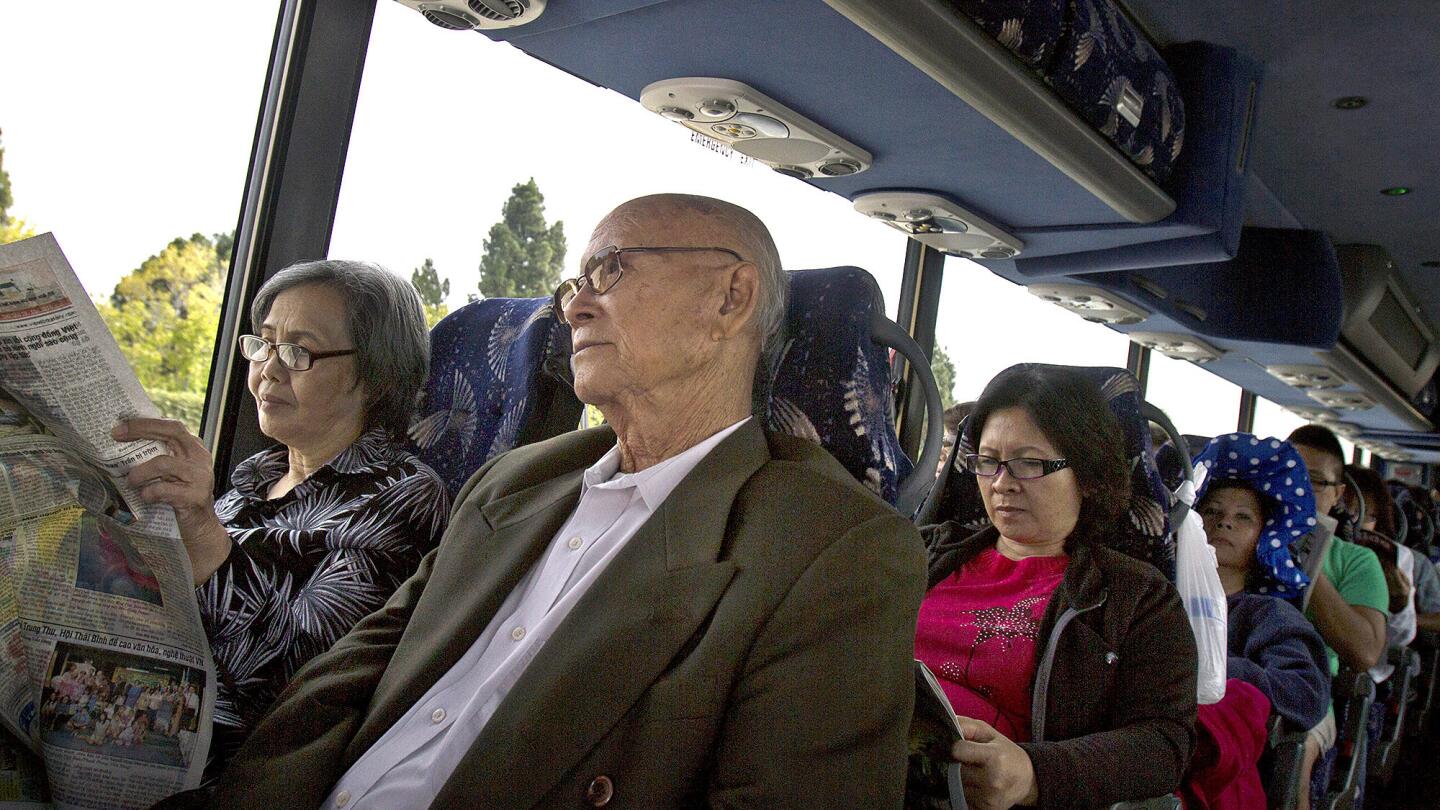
(944, 370)
(523, 257)
(432, 290)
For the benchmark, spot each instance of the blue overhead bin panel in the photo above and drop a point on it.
(1283, 286)
(1219, 88)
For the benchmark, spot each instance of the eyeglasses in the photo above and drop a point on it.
(603, 271)
(1319, 483)
(1025, 469)
(292, 356)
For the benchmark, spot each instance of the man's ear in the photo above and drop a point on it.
(741, 296)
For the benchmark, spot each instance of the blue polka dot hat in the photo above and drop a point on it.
(1278, 473)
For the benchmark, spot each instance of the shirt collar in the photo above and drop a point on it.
(653, 484)
(254, 475)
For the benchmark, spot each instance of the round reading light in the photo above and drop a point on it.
(1001, 253)
(730, 129)
(839, 168)
(1350, 102)
(951, 225)
(764, 125)
(918, 213)
(1395, 191)
(716, 108)
(676, 113)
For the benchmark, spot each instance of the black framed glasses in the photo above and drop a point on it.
(603, 271)
(1025, 469)
(1319, 483)
(292, 356)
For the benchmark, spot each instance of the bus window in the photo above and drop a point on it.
(1274, 420)
(128, 136)
(1197, 401)
(987, 324)
(435, 154)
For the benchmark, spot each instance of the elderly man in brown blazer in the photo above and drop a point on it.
(679, 609)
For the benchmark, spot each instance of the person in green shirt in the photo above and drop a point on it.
(1348, 597)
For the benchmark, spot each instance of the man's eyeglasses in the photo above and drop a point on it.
(603, 271)
(1320, 483)
(1024, 469)
(292, 356)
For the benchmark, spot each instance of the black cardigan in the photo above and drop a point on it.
(1113, 712)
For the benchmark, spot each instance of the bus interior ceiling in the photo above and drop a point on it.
(1233, 251)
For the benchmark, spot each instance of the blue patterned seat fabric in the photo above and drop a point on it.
(1093, 56)
(498, 379)
(832, 384)
(1146, 535)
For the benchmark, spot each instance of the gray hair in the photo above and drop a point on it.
(386, 324)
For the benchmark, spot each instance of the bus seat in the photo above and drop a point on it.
(1354, 695)
(1427, 646)
(832, 383)
(499, 378)
(1402, 683)
(1148, 533)
(1281, 763)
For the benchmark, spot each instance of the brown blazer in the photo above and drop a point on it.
(750, 646)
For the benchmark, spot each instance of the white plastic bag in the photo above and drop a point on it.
(1198, 579)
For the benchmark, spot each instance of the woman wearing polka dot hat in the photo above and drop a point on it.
(1256, 500)
(1274, 471)
(1251, 517)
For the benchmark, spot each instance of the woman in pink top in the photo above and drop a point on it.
(1071, 665)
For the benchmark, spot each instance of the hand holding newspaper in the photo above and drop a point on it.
(108, 677)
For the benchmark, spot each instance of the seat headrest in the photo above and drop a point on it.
(497, 367)
(1275, 470)
(832, 381)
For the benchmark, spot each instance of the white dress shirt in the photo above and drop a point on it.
(409, 764)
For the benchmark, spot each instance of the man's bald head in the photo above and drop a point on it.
(682, 220)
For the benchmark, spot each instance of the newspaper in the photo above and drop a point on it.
(107, 676)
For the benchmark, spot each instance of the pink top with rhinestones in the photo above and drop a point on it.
(978, 630)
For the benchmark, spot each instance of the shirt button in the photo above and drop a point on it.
(437, 716)
(342, 798)
(518, 633)
(576, 542)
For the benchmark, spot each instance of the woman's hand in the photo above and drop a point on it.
(997, 773)
(184, 480)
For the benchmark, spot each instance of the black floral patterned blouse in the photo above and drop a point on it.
(307, 566)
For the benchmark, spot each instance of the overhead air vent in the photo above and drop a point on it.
(467, 15)
(1090, 303)
(1177, 347)
(939, 223)
(1343, 400)
(1347, 429)
(1307, 377)
(1312, 413)
(755, 125)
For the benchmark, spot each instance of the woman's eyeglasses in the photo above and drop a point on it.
(603, 271)
(1025, 469)
(292, 356)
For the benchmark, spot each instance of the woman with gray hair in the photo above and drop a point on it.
(319, 530)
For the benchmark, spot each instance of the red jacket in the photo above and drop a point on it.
(1230, 739)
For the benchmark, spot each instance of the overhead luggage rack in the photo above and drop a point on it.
(963, 58)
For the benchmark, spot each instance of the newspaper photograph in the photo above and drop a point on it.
(107, 684)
